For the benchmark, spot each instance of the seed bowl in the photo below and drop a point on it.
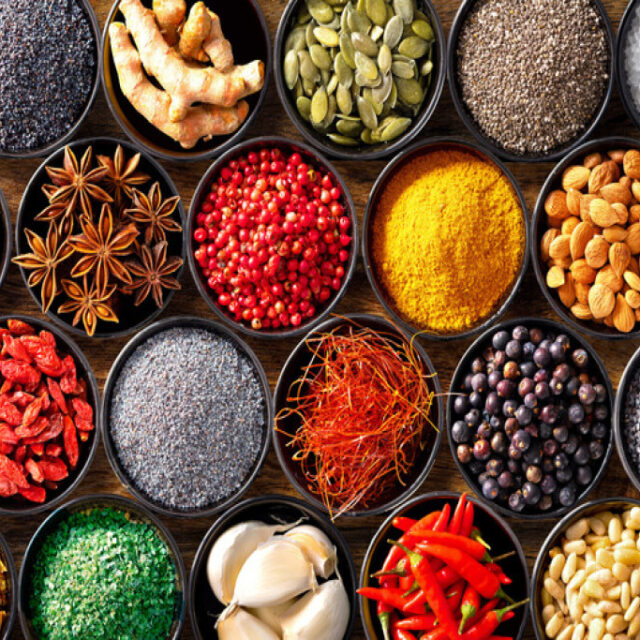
(244, 25)
(457, 383)
(472, 126)
(105, 414)
(5, 238)
(137, 513)
(204, 607)
(12, 575)
(623, 84)
(299, 358)
(497, 533)
(363, 151)
(18, 506)
(310, 155)
(132, 318)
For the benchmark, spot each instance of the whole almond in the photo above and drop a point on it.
(616, 233)
(632, 297)
(582, 272)
(633, 237)
(585, 203)
(617, 155)
(556, 205)
(596, 252)
(619, 256)
(582, 291)
(560, 247)
(632, 279)
(615, 192)
(602, 214)
(592, 160)
(567, 292)
(545, 242)
(601, 301)
(564, 263)
(569, 224)
(623, 317)
(631, 163)
(573, 202)
(555, 277)
(579, 239)
(581, 311)
(575, 177)
(608, 277)
(600, 176)
(622, 212)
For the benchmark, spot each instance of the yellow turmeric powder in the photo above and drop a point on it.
(447, 240)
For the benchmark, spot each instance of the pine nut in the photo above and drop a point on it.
(578, 632)
(621, 571)
(625, 596)
(556, 566)
(597, 526)
(566, 633)
(548, 612)
(614, 529)
(555, 588)
(614, 593)
(569, 569)
(633, 609)
(603, 577)
(616, 623)
(604, 558)
(609, 606)
(590, 588)
(577, 530)
(554, 625)
(575, 546)
(596, 629)
(627, 556)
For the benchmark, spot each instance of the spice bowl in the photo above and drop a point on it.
(322, 307)
(135, 513)
(289, 422)
(8, 599)
(130, 317)
(361, 151)
(242, 359)
(493, 529)
(244, 25)
(204, 607)
(5, 238)
(519, 445)
(370, 228)
(621, 74)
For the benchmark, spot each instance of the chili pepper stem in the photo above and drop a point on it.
(414, 587)
(412, 555)
(503, 556)
(398, 571)
(468, 611)
(501, 594)
(501, 612)
(477, 536)
(385, 623)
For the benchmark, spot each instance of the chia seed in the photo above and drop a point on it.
(47, 70)
(631, 419)
(188, 418)
(533, 72)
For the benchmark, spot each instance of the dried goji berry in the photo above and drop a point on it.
(7, 488)
(53, 431)
(31, 413)
(48, 338)
(34, 429)
(6, 448)
(13, 471)
(70, 441)
(19, 327)
(69, 379)
(7, 385)
(7, 434)
(37, 448)
(15, 348)
(54, 469)
(48, 362)
(53, 450)
(20, 454)
(33, 468)
(82, 408)
(10, 413)
(33, 493)
(20, 398)
(32, 344)
(57, 395)
(20, 372)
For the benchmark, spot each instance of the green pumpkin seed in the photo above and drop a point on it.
(364, 44)
(365, 136)
(402, 8)
(368, 96)
(363, 81)
(360, 6)
(413, 47)
(376, 33)
(381, 93)
(290, 68)
(331, 111)
(426, 68)
(309, 87)
(393, 129)
(349, 128)
(332, 85)
(343, 71)
(343, 100)
(367, 113)
(348, 50)
(320, 10)
(423, 30)
(366, 66)
(409, 91)
(303, 104)
(307, 69)
(359, 22)
(320, 57)
(310, 39)
(384, 59)
(297, 89)
(377, 11)
(402, 70)
(393, 32)
(304, 16)
(295, 40)
(341, 116)
(342, 140)
(319, 105)
(326, 37)
(392, 100)
(419, 15)
(345, 15)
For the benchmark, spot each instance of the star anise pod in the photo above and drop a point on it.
(152, 274)
(89, 303)
(154, 214)
(43, 261)
(122, 176)
(103, 245)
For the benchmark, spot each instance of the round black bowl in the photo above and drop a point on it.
(112, 378)
(363, 152)
(244, 25)
(494, 530)
(5, 238)
(18, 506)
(300, 357)
(138, 513)
(538, 220)
(478, 346)
(7, 559)
(204, 607)
(33, 200)
(623, 86)
(311, 155)
(417, 149)
(52, 146)
(585, 510)
(470, 123)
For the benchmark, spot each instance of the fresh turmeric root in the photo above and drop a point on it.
(217, 47)
(153, 104)
(186, 84)
(170, 15)
(194, 33)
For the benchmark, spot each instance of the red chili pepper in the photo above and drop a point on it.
(418, 623)
(407, 584)
(496, 569)
(469, 607)
(445, 578)
(443, 521)
(391, 597)
(402, 634)
(404, 524)
(456, 522)
(485, 627)
(454, 595)
(471, 547)
(467, 519)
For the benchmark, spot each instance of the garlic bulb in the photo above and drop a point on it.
(272, 615)
(230, 551)
(317, 547)
(276, 571)
(237, 624)
(322, 614)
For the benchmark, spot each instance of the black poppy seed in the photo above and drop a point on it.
(47, 70)
(188, 418)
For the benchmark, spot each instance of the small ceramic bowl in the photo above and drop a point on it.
(132, 318)
(362, 152)
(470, 123)
(55, 144)
(204, 607)
(457, 383)
(623, 83)
(497, 533)
(310, 155)
(299, 358)
(12, 576)
(105, 413)
(18, 506)
(244, 25)
(5, 238)
(368, 229)
(137, 513)
(539, 226)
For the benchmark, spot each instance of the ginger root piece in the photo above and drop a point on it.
(170, 15)
(153, 104)
(194, 33)
(186, 83)
(217, 47)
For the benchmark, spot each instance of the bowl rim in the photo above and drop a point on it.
(557, 530)
(69, 345)
(109, 386)
(215, 531)
(365, 319)
(444, 495)
(8, 246)
(205, 182)
(537, 220)
(376, 152)
(7, 556)
(459, 19)
(184, 156)
(63, 140)
(473, 348)
(424, 145)
(621, 76)
(121, 503)
(34, 182)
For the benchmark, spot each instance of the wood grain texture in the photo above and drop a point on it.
(15, 174)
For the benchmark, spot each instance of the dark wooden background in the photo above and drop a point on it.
(14, 175)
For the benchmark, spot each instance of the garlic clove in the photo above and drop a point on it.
(275, 572)
(322, 614)
(271, 615)
(317, 547)
(237, 624)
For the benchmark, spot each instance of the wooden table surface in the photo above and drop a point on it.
(14, 175)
